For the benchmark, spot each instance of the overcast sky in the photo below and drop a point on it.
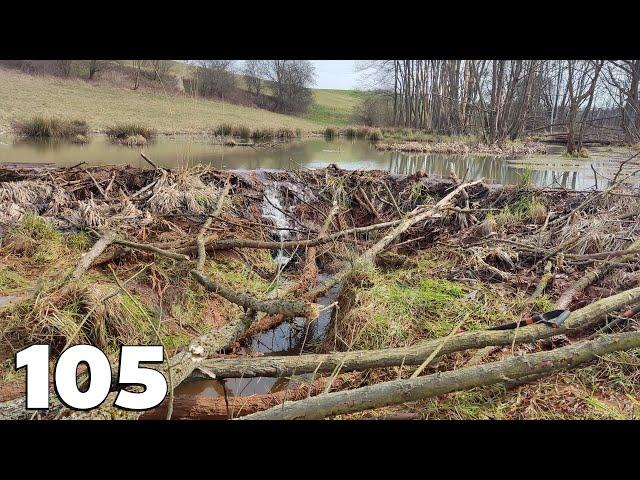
(338, 74)
(335, 74)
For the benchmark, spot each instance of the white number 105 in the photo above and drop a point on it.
(36, 359)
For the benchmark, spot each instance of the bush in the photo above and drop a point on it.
(124, 131)
(40, 127)
(363, 132)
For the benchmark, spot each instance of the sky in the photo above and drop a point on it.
(338, 74)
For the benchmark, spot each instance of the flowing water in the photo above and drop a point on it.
(176, 151)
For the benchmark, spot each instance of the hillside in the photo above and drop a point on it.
(101, 105)
(336, 107)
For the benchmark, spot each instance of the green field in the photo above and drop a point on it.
(336, 107)
(23, 96)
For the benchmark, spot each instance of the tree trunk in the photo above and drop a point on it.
(402, 391)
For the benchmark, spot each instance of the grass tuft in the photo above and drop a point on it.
(123, 131)
(52, 128)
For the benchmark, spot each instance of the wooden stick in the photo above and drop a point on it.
(283, 366)
(288, 308)
(87, 259)
(152, 249)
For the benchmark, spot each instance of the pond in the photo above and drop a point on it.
(181, 151)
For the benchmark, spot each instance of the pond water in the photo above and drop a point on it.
(180, 151)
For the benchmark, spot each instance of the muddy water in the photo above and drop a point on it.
(176, 151)
(289, 338)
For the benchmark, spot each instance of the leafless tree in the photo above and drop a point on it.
(161, 68)
(64, 67)
(290, 82)
(137, 65)
(255, 72)
(582, 77)
(623, 78)
(95, 66)
(506, 99)
(215, 78)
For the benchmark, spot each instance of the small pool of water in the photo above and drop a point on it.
(182, 151)
(288, 338)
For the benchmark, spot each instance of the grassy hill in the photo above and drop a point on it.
(336, 107)
(23, 96)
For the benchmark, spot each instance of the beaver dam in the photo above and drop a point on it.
(327, 293)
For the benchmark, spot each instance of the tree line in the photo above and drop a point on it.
(505, 99)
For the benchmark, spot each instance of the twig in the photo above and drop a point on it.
(149, 161)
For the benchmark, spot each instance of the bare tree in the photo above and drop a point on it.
(161, 68)
(95, 66)
(254, 73)
(138, 65)
(290, 80)
(215, 78)
(581, 83)
(64, 67)
(624, 78)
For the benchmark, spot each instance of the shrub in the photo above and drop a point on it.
(243, 132)
(224, 129)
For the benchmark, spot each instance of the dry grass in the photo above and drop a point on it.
(23, 96)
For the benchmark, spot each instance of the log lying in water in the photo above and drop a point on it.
(402, 391)
(283, 366)
(218, 408)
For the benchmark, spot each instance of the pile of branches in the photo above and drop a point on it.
(372, 213)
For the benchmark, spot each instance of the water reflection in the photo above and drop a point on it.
(181, 151)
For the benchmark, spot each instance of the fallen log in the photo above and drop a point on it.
(288, 308)
(357, 360)
(209, 408)
(402, 391)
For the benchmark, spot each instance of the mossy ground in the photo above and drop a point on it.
(400, 307)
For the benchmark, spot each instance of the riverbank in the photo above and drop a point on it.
(122, 255)
(510, 149)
